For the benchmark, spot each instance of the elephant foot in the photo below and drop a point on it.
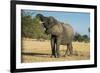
(54, 56)
(57, 57)
(64, 56)
(67, 55)
(51, 56)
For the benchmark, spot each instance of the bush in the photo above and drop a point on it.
(81, 38)
(31, 27)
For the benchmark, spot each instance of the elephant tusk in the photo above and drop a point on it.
(41, 22)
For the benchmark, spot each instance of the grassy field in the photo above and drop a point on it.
(40, 51)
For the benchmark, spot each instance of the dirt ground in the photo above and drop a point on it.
(39, 51)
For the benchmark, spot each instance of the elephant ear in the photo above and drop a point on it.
(52, 20)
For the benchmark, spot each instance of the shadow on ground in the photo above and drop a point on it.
(34, 54)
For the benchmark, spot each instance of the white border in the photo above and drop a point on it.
(51, 64)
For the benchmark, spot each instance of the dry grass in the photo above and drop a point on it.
(39, 51)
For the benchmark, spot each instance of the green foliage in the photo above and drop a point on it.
(31, 27)
(81, 38)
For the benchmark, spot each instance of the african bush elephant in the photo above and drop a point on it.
(61, 34)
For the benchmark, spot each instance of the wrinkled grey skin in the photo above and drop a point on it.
(61, 34)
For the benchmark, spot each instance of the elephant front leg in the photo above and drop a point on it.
(58, 47)
(53, 46)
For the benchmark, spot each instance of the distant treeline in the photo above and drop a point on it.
(80, 38)
(32, 29)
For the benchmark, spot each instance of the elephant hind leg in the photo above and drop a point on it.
(69, 50)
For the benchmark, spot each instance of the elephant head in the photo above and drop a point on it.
(47, 22)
